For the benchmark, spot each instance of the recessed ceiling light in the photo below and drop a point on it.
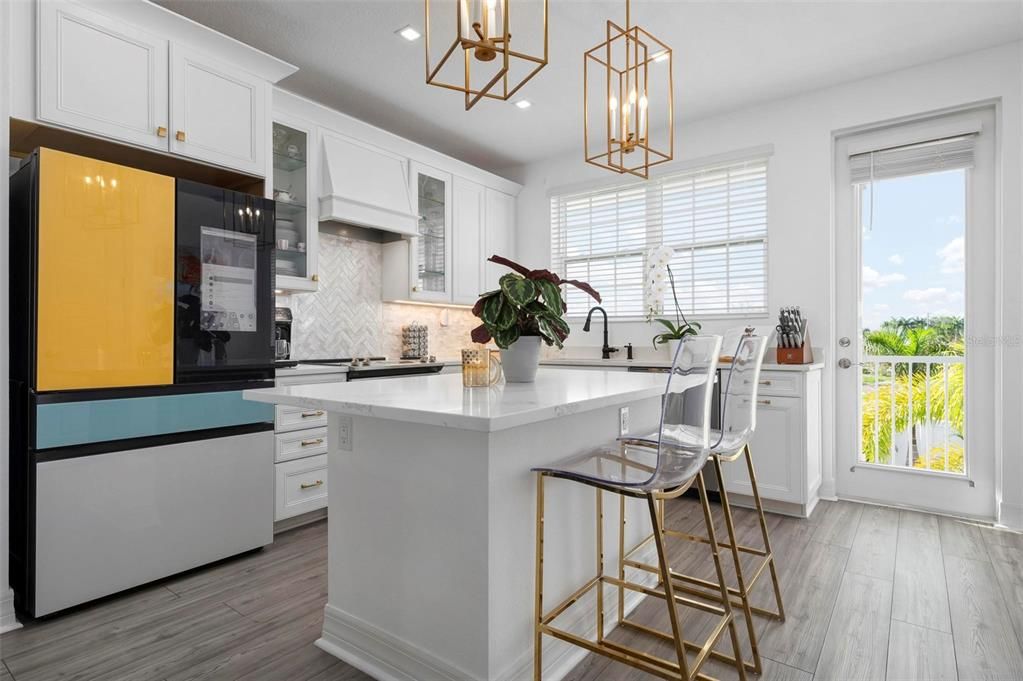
(661, 56)
(523, 104)
(408, 33)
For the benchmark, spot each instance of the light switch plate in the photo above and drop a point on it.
(623, 421)
(344, 433)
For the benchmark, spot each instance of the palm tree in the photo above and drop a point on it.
(878, 409)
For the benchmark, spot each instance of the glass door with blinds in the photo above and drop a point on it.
(915, 289)
(714, 218)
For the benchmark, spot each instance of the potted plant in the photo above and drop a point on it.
(526, 309)
(659, 277)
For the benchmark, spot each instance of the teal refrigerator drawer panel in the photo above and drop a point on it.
(74, 423)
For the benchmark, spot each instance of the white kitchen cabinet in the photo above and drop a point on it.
(101, 75)
(218, 112)
(293, 171)
(479, 222)
(467, 242)
(300, 486)
(498, 235)
(100, 72)
(786, 445)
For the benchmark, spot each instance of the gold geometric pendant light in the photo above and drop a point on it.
(628, 101)
(481, 35)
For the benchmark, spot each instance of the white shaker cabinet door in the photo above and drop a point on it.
(499, 236)
(218, 112)
(777, 451)
(467, 247)
(102, 76)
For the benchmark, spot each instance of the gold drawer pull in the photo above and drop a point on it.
(161, 131)
(310, 443)
(307, 485)
(765, 383)
(763, 401)
(311, 414)
(180, 136)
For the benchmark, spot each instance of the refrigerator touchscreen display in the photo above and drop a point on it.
(229, 296)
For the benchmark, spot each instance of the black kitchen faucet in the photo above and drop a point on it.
(605, 350)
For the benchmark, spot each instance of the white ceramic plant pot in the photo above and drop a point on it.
(520, 361)
(673, 348)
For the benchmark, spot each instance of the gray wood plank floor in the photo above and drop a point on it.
(870, 594)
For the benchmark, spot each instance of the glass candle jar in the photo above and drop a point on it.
(481, 366)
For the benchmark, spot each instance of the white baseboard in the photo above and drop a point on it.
(379, 654)
(1011, 516)
(388, 658)
(8, 622)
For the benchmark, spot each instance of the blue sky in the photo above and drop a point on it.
(913, 255)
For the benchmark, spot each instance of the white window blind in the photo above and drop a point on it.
(913, 159)
(714, 218)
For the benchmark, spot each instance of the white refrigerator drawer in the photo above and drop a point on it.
(301, 486)
(110, 522)
(300, 443)
(296, 418)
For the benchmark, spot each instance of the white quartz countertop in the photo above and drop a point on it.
(441, 400)
(661, 363)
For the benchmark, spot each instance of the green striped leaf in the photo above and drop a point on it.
(505, 337)
(518, 289)
(551, 295)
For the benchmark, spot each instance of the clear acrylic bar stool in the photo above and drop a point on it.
(653, 471)
(729, 443)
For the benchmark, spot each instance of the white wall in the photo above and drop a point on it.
(800, 200)
(7, 620)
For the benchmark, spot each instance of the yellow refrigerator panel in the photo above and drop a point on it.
(106, 275)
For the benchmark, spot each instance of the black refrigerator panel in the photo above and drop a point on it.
(224, 323)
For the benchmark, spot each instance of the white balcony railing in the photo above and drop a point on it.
(911, 412)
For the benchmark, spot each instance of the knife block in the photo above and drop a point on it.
(800, 355)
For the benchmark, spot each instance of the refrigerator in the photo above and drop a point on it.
(141, 306)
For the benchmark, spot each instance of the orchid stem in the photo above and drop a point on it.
(678, 308)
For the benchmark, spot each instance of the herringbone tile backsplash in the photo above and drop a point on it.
(345, 317)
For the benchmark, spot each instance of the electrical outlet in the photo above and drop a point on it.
(623, 421)
(344, 433)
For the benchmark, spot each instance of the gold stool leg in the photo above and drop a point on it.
(733, 540)
(726, 602)
(669, 591)
(538, 619)
(600, 565)
(763, 531)
(621, 558)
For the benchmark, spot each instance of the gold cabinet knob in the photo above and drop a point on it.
(161, 131)
(180, 135)
(315, 277)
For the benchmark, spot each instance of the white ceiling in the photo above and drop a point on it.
(727, 55)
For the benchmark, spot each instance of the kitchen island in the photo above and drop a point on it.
(432, 516)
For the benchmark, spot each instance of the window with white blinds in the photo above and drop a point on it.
(714, 218)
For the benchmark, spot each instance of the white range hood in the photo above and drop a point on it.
(367, 187)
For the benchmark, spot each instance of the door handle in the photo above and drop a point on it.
(844, 363)
(180, 135)
(844, 341)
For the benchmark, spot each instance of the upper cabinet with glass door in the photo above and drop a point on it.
(430, 252)
(296, 226)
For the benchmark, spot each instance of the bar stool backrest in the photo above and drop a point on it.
(739, 394)
(686, 405)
